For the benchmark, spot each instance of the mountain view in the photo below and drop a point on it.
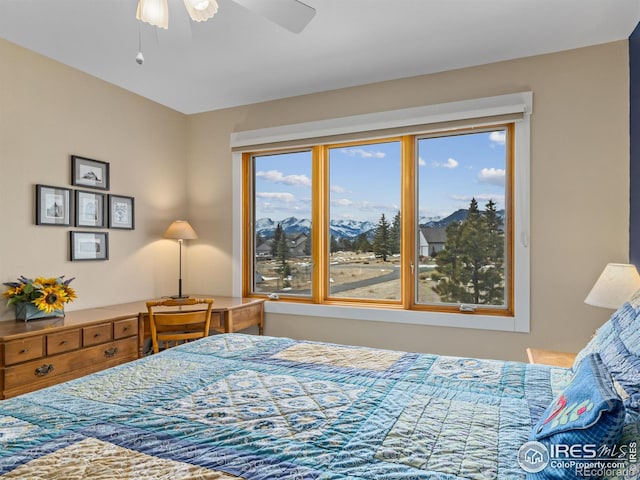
(266, 227)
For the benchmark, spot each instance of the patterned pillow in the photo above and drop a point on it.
(588, 412)
(618, 343)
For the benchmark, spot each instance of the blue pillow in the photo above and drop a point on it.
(625, 323)
(588, 412)
(618, 343)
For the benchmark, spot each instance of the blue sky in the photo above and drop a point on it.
(365, 179)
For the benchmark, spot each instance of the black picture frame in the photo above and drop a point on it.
(87, 246)
(121, 212)
(53, 206)
(90, 209)
(89, 173)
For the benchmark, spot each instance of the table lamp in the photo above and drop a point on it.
(180, 230)
(616, 284)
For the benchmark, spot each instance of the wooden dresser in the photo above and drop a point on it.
(40, 353)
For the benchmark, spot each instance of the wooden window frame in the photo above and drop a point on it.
(513, 107)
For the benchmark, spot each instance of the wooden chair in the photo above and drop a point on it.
(178, 325)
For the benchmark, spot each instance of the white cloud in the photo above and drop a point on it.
(276, 176)
(339, 189)
(499, 137)
(364, 205)
(342, 202)
(492, 176)
(450, 163)
(363, 153)
(280, 196)
(421, 162)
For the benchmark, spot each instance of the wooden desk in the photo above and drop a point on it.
(228, 315)
(44, 352)
(550, 357)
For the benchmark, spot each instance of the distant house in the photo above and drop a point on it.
(432, 240)
(298, 245)
(264, 249)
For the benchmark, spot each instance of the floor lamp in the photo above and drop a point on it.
(180, 230)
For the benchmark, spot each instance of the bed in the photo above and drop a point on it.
(256, 407)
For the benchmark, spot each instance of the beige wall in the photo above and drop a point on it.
(579, 194)
(49, 111)
(579, 199)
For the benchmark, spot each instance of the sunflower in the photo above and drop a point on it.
(71, 293)
(14, 291)
(44, 282)
(52, 298)
(48, 294)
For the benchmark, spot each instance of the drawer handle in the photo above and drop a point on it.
(24, 350)
(96, 335)
(44, 370)
(110, 352)
(63, 342)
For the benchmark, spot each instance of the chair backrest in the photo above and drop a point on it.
(170, 327)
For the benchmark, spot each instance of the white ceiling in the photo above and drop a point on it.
(239, 57)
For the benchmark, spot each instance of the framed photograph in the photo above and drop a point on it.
(90, 209)
(121, 212)
(53, 206)
(89, 246)
(89, 173)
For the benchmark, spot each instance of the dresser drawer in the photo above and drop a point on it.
(16, 351)
(61, 342)
(125, 328)
(96, 334)
(46, 370)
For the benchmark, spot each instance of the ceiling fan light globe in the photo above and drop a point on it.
(199, 4)
(153, 12)
(201, 10)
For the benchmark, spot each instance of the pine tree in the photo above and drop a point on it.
(396, 234)
(280, 251)
(362, 244)
(470, 268)
(333, 245)
(277, 237)
(451, 274)
(492, 282)
(382, 242)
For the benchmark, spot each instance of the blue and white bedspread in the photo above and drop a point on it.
(239, 406)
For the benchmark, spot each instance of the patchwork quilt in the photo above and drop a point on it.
(247, 407)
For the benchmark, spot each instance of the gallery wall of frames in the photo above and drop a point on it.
(88, 208)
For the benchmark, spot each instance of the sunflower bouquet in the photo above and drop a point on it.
(48, 294)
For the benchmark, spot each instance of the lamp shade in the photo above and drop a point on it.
(616, 284)
(201, 10)
(154, 12)
(180, 230)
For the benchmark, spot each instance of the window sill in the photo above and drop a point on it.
(439, 319)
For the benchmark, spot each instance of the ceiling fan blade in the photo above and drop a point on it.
(290, 14)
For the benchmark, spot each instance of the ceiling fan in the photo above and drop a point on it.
(290, 14)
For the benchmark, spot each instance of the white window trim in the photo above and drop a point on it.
(466, 109)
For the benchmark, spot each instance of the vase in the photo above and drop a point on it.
(28, 311)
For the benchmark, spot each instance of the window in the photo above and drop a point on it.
(463, 236)
(281, 223)
(430, 219)
(364, 221)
